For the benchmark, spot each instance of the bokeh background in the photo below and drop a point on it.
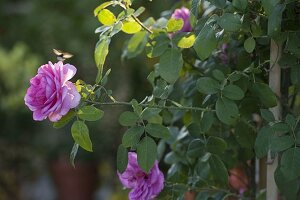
(34, 157)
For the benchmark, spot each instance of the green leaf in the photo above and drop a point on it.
(132, 136)
(230, 22)
(265, 94)
(73, 154)
(227, 111)
(80, 134)
(289, 188)
(102, 6)
(90, 113)
(174, 25)
(100, 54)
(207, 121)
(280, 127)
(233, 92)
(281, 143)
(157, 130)
(218, 169)
(218, 3)
(295, 74)
(196, 148)
(206, 42)
(194, 129)
(158, 46)
(136, 44)
(130, 26)
(240, 4)
(207, 85)
(146, 153)
(290, 163)
(274, 22)
(267, 115)
(186, 41)
(122, 159)
(195, 7)
(262, 142)
(128, 118)
(269, 5)
(139, 11)
(64, 120)
(218, 74)
(170, 64)
(216, 145)
(150, 112)
(106, 17)
(245, 135)
(249, 44)
(291, 120)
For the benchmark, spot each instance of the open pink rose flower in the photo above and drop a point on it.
(143, 186)
(184, 14)
(51, 94)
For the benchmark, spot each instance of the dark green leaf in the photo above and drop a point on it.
(132, 136)
(240, 4)
(265, 94)
(233, 92)
(281, 127)
(218, 74)
(122, 158)
(218, 169)
(216, 145)
(262, 142)
(249, 44)
(194, 129)
(206, 42)
(230, 22)
(281, 143)
(207, 85)
(64, 120)
(158, 46)
(290, 163)
(269, 5)
(207, 121)
(289, 188)
(128, 118)
(227, 111)
(90, 113)
(170, 64)
(146, 153)
(244, 135)
(274, 22)
(196, 148)
(195, 7)
(218, 3)
(157, 130)
(267, 115)
(80, 134)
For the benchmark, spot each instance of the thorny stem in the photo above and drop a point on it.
(120, 103)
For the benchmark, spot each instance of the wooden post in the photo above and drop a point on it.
(275, 84)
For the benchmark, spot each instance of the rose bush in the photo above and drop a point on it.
(211, 107)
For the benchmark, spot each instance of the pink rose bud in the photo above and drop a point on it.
(184, 14)
(51, 94)
(143, 186)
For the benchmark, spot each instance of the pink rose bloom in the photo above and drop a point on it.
(184, 14)
(143, 186)
(51, 94)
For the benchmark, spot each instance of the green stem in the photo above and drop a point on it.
(120, 103)
(142, 25)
